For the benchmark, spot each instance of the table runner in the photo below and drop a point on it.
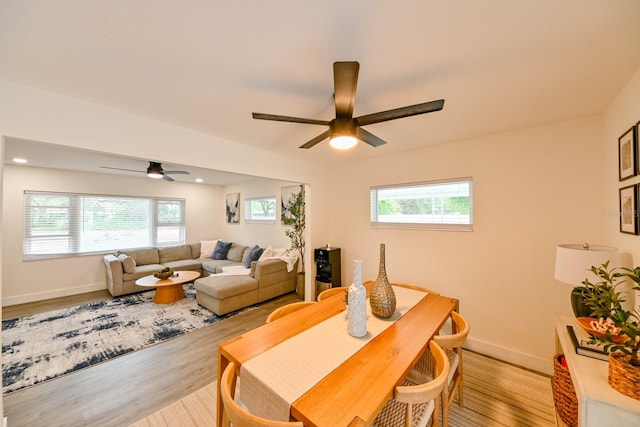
(275, 379)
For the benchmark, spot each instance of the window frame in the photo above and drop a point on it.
(248, 211)
(74, 225)
(374, 215)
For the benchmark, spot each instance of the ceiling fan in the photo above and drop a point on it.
(153, 171)
(345, 130)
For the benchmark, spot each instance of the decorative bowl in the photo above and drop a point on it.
(585, 323)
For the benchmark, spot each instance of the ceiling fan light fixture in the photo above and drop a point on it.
(343, 142)
(343, 133)
(155, 171)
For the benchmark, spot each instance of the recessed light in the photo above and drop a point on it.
(19, 160)
(199, 180)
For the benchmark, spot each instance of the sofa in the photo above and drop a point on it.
(126, 266)
(268, 278)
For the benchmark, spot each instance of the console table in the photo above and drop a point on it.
(598, 403)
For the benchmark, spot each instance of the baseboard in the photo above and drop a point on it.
(525, 360)
(56, 293)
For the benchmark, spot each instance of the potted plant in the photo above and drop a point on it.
(294, 215)
(605, 301)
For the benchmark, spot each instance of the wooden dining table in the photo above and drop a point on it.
(354, 392)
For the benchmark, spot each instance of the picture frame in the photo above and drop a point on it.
(628, 154)
(233, 208)
(629, 209)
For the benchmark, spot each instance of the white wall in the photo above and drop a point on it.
(623, 113)
(533, 189)
(25, 281)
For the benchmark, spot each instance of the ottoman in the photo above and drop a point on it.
(224, 294)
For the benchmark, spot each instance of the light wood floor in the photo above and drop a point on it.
(496, 394)
(126, 389)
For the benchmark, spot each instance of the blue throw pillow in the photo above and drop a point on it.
(254, 255)
(220, 252)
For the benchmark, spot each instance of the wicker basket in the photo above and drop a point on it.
(622, 376)
(564, 395)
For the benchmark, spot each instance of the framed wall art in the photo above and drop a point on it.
(233, 208)
(627, 154)
(629, 209)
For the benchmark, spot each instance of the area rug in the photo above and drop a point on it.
(44, 346)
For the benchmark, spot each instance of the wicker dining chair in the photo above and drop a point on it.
(332, 291)
(452, 345)
(286, 309)
(234, 413)
(415, 404)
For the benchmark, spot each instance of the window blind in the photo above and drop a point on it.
(59, 224)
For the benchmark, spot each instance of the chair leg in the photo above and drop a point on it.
(445, 406)
(460, 400)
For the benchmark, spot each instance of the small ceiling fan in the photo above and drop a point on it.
(345, 130)
(153, 171)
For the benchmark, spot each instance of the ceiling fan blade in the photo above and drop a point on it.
(317, 139)
(120, 169)
(177, 172)
(275, 117)
(167, 178)
(370, 138)
(345, 80)
(398, 113)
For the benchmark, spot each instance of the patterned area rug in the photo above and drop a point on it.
(44, 346)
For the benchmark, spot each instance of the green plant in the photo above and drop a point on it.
(295, 217)
(605, 301)
(602, 297)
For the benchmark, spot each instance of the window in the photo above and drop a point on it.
(260, 209)
(438, 204)
(58, 224)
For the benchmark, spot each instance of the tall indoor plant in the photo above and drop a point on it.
(293, 214)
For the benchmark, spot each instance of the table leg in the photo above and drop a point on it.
(169, 294)
(222, 365)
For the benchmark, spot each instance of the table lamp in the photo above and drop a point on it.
(573, 265)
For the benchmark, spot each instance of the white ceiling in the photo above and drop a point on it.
(46, 155)
(207, 64)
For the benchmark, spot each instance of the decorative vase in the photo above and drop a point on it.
(382, 298)
(580, 308)
(357, 304)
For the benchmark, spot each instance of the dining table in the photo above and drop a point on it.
(305, 367)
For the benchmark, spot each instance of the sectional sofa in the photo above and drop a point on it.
(125, 267)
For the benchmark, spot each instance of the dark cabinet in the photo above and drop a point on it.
(328, 268)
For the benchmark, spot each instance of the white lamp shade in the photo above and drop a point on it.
(574, 262)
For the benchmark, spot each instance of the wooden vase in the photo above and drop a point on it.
(382, 298)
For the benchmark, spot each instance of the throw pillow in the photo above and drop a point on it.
(128, 263)
(207, 247)
(254, 255)
(221, 250)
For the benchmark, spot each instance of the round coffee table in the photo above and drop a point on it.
(168, 290)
